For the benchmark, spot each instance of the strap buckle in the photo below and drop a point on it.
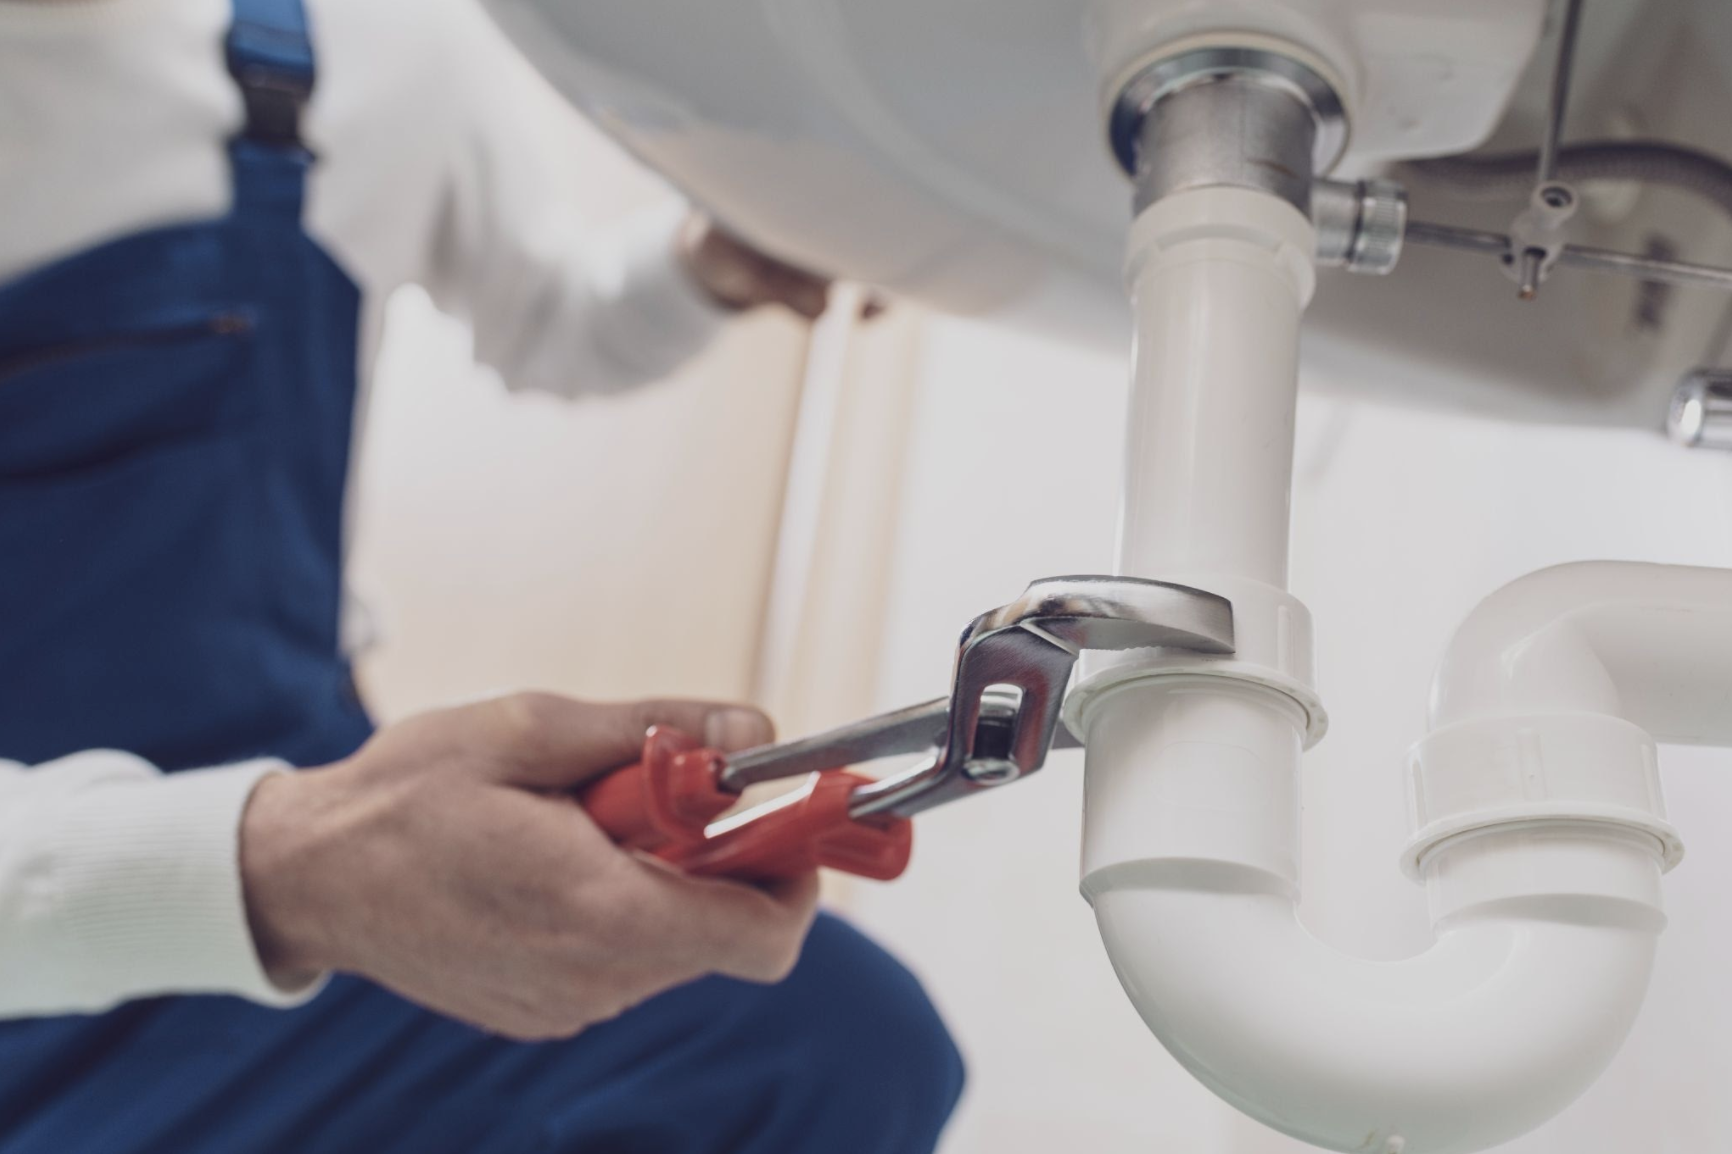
(274, 98)
(270, 55)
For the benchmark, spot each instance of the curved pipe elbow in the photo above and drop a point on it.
(1651, 644)
(1504, 1022)
(1546, 938)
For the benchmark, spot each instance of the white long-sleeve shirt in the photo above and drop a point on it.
(116, 881)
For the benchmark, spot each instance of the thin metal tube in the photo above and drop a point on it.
(1647, 268)
(1463, 239)
(1560, 96)
(1510, 174)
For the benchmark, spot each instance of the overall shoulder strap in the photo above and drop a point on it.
(270, 56)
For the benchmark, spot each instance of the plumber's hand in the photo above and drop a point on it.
(443, 860)
(737, 276)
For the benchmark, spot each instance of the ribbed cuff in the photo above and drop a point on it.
(146, 887)
(662, 316)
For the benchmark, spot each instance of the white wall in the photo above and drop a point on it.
(1402, 521)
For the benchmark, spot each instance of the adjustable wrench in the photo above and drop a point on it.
(996, 726)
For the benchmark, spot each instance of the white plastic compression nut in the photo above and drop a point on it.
(1543, 835)
(1554, 692)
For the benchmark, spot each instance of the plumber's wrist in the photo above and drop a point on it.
(289, 819)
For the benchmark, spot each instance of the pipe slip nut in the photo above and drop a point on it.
(1575, 769)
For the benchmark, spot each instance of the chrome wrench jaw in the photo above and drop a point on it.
(995, 736)
(1001, 719)
(1117, 613)
(1012, 669)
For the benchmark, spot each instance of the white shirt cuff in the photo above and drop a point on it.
(145, 888)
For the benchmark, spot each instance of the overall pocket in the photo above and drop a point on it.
(74, 407)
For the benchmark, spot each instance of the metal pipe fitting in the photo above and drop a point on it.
(1234, 117)
(1539, 235)
(1701, 414)
(1360, 224)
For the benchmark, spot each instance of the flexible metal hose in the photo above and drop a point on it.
(1511, 174)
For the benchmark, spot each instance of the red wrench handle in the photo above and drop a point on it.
(669, 796)
(664, 805)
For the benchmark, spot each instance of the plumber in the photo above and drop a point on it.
(419, 946)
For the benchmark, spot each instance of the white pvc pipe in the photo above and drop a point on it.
(1649, 643)
(1546, 917)
(1218, 279)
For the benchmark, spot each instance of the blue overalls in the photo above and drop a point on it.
(175, 416)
